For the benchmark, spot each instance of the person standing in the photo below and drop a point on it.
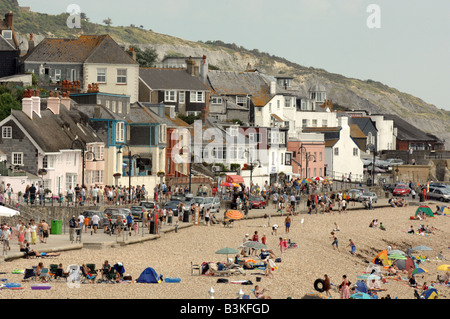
(81, 222)
(28, 234)
(327, 285)
(45, 233)
(344, 288)
(287, 223)
(352, 246)
(72, 226)
(95, 222)
(33, 232)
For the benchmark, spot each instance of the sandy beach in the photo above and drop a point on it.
(314, 256)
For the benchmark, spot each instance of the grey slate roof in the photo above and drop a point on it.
(408, 132)
(56, 132)
(171, 79)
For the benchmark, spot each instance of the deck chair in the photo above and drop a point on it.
(29, 274)
(111, 276)
(52, 270)
(90, 276)
(45, 275)
(92, 268)
(74, 277)
(119, 270)
(195, 268)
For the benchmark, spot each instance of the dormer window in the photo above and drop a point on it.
(7, 34)
(241, 100)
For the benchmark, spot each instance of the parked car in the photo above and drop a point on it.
(114, 217)
(367, 196)
(441, 194)
(401, 189)
(393, 162)
(204, 205)
(150, 206)
(214, 204)
(355, 193)
(389, 187)
(173, 205)
(138, 212)
(257, 202)
(89, 213)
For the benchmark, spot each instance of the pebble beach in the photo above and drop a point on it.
(172, 254)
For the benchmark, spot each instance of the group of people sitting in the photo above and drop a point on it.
(374, 224)
(397, 202)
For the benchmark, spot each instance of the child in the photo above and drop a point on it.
(353, 246)
(281, 244)
(176, 226)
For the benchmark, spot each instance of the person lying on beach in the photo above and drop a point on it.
(260, 293)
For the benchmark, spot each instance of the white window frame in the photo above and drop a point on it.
(57, 75)
(355, 151)
(119, 107)
(17, 158)
(241, 100)
(120, 132)
(336, 151)
(9, 32)
(121, 78)
(7, 132)
(101, 75)
(197, 97)
(170, 96)
(216, 100)
(182, 97)
(162, 133)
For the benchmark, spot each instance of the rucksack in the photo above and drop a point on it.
(72, 223)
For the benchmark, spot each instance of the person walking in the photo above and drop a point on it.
(335, 241)
(352, 246)
(287, 223)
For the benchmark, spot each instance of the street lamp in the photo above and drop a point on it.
(308, 157)
(129, 165)
(83, 156)
(252, 165)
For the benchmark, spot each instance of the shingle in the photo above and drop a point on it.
(170, 79)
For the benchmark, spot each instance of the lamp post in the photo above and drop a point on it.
(373, 149)
(83, 153)
(129, 165)
(252, 165)
(308, 157)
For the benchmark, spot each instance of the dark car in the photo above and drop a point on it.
(257, 202)
(138, 212)
(173, 205)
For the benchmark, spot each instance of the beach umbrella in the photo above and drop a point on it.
(304, 181)
(8, 212)
(360, 295)
(227, 251)
(443, 267)
(254, 245)
(318, 178)
(226, 184)
(418, 271)
(420, 248)
(234, 214)
(397, 256)
(396, 252)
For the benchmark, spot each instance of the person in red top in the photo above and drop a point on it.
(255, 236)
(263, 239)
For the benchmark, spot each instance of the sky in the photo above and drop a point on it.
(404, 44)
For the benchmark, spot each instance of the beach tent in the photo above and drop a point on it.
(445, 210)
(407, 264)
(383, 257)
(430, 293)
(425, 209)
(149, 276)
(361, 286)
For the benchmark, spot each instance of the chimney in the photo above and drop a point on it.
(65, 100)
(27, 104)
(36, 103)
(204, 69)
(30, 43)
(273, 88)
(132, 53)
(204, 115)
(53, 103)
(9, 19)
(192, 67)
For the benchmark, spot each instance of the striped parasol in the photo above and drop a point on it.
(234, 214)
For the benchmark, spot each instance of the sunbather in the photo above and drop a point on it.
(260, 293)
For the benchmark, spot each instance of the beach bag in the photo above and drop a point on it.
(222, 281)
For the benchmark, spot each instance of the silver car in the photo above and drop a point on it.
(203, 203)
(441, 194)
(214, 204)
(367, 196)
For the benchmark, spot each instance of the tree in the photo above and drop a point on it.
(107, 21)
(146, 58)
(8, 103)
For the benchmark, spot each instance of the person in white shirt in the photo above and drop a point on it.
(81, 219)
(95, 221)
(94, 194)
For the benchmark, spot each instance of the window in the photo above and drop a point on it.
(254, 137)
(119, 107)
(101, 75)
(314, 123)
(121, 76)
(304, 123)
(71, 180)
(7, 34)
(97, 177)
(197, 97)
(170, 96)
(233, 131)
(282, 159)
(113, 106)
(278, 104)
(241, 100)
(120, 132)
(57, 75)
(162, 133)
(107, 104)
(324, 123)
(287, 102)
(182, 97)
(288, 159)
(6, 132)
(336, 151)
(216, 100)
(73, 75)
(17, 158)
(355, 151)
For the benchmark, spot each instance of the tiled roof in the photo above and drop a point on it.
(356, 132)
(57, 132)
(407, 131)
(84, 49)
(171, 79)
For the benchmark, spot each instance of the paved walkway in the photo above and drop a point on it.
(100, 240)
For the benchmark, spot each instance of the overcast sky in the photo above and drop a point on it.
(410, 50)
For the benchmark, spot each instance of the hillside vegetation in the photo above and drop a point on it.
(350, 93)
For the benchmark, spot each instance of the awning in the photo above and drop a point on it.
(235, 179)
